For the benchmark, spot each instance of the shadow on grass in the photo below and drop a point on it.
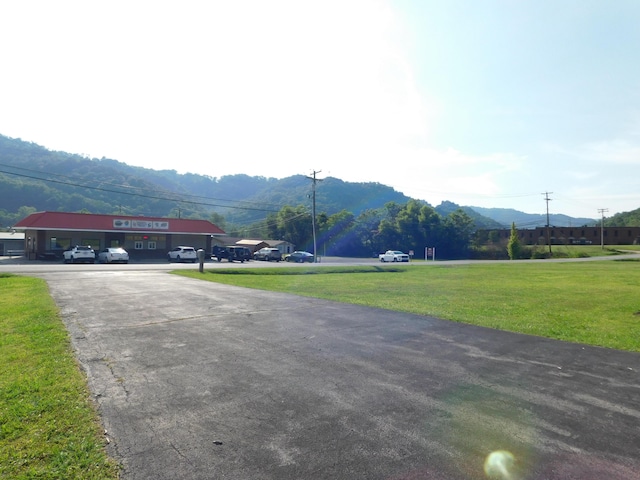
(306, 270)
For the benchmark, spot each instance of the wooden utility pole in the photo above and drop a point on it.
(547, 199)
(601, 211)
(313, 213)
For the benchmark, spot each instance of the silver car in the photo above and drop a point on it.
(268, 254)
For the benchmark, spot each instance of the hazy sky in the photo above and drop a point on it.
(488, 103)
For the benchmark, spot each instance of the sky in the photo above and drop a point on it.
(497, 103)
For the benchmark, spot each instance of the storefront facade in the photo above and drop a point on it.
(51, 233)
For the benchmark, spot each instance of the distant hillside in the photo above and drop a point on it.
(507, 216)
(481, 221)
(624, 219)
(32, 176)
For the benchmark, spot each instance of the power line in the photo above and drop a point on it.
(170, 196)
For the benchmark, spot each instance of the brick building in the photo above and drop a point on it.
(574, 235)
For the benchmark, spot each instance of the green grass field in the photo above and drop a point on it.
(48, 425)
(50, 430)
(594, 303)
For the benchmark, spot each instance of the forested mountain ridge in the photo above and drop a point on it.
(33, 178)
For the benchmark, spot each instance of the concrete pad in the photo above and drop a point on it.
(197, 380)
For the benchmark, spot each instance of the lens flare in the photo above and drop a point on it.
(499, 465)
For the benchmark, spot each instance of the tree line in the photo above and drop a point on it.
(408, 227)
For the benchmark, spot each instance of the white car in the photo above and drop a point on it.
(393, 256)
(183, 254)
(113, 255)
(79, 253)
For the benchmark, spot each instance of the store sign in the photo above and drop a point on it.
(140, 224)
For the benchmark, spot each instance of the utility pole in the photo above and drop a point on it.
(313, 213)
(601, 211)
(547, 199)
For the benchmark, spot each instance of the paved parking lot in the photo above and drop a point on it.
(197, 380)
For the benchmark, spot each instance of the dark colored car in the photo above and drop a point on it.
(300, 257)
(231, 253)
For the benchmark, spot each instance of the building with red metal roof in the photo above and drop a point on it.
(48, 233)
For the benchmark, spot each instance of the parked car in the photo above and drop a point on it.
(300, 257)
(268, 254)
(79, 253)
(393, 256)
(231, 253)
(113, 255)
(183, 254)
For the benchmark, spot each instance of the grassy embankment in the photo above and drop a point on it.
(49, 428)
(594, 302)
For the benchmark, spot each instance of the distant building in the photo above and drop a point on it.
(11, 243)
(256, 244)
(573, 235)
(144, 237)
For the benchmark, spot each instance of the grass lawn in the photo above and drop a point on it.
(49, 428)
(594, 303)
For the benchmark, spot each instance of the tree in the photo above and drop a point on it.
(514, 249)
(293, 225)
(218, 219)
(457, 230)
(337, 235)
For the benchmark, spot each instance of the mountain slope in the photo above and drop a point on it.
(33, 176)
(506, 216)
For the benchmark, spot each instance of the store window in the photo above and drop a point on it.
(138, 245)
(151, 245)
(92, 242)
(59, 243)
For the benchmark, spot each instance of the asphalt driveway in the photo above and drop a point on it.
(196, 380)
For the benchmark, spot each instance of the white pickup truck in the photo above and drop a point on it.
(80, 253)
(393, 256)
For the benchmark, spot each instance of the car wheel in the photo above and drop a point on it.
(395, 259)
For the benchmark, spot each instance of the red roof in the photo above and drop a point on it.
(115, 223)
